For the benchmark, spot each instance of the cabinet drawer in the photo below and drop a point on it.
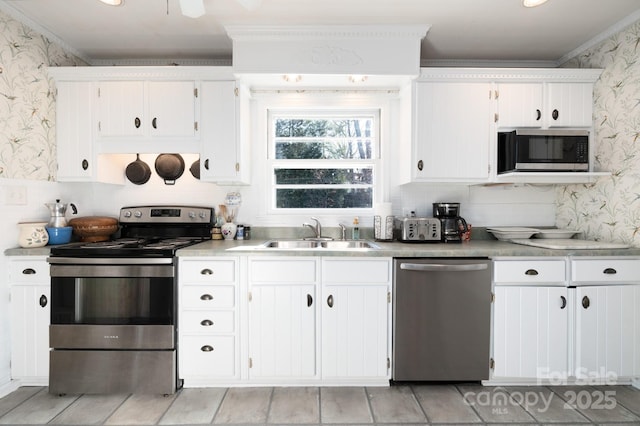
(29, 271)
(219, 296)
(207, 356)
(208, 271)
(529, 271)
(207, 321)
(280, 271)
(603, 270)
(356, 271)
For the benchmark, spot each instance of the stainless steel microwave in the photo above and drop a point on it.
(531, 150)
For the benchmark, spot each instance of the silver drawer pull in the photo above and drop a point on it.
(531, 272)
(206, 348)
(206, 322)
(206, 271)
(610, 271)
(29, 271)
(206, 297)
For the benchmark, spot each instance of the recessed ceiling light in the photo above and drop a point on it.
(112, 2)
(292, 78)
(358, 78)
(532, 3)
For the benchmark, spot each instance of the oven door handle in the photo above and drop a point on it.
(110, 261)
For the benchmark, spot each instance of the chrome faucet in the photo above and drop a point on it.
(317, 229)
(343, 231)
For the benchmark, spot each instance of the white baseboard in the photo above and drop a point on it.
(9, 387)
(635, 382)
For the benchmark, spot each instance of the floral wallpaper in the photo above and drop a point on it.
(27, 101)
(609, 209)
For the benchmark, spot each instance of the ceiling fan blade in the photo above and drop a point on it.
(192, 8)
(250, 4)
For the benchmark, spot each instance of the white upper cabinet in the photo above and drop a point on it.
(147, 109)
(452, 131)
(225, 116)
(457, 112)
(519, 104)
(78, 160)
(544, 105)
(569, 105)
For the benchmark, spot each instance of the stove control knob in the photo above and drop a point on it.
(192, 215)
(138, 214)
(127, 213)
(203, 215)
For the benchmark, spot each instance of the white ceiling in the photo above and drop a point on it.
(472, 31)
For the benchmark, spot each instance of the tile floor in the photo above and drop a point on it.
(414, 405)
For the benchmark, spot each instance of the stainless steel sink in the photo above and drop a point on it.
(353, 244)
(319, 244)
(291, 244)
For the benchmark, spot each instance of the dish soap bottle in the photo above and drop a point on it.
(355, 231)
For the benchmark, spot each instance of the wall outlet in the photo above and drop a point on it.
(15, 195)
(409, 211)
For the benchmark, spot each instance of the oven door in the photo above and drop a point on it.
(112, 304)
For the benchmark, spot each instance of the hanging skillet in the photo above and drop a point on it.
(138, 172)
(169, 167)
(195, 169)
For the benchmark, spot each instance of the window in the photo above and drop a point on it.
(323, 160)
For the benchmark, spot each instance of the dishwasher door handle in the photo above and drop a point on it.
(430, 267)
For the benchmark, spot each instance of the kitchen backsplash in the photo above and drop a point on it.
(27, 101)
(609, 209)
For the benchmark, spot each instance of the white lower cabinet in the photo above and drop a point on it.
(355, 319)
(530, 337)
(584, 331)
(607, 338)
(282, 318)
(291, 339)
(30, 317)
(530, 320)
(608, 332)
(208, 336)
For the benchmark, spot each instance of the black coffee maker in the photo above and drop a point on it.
(451, 224)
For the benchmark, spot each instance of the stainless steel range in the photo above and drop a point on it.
(113, 304)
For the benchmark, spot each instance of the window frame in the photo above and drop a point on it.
(375, 163)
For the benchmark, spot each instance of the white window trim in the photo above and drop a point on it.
(387, 101)
(328, 112)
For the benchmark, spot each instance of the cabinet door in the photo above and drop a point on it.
(530, 332)
(452, 130)
(74, 123)
(519, 104)
(354, 331)
(220, 144)
(121, 109)
(569, 105)
(607, 331)
(282, 336)
(171, 109)
(30, 316)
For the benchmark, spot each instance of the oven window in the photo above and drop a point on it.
(112, 301)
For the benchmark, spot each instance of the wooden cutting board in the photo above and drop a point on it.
(570, 244)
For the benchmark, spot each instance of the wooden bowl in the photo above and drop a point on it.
(94, 228)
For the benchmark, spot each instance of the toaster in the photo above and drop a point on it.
(417, 229)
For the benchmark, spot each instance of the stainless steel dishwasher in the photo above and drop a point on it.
(441, 319)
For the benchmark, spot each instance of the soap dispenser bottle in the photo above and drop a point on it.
(355, 231)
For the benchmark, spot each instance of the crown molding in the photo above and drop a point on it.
(93, 73)
(514, 74)
(160, 62)
(486, 63)
(326, 32)
(612, 30)
(20, 17)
